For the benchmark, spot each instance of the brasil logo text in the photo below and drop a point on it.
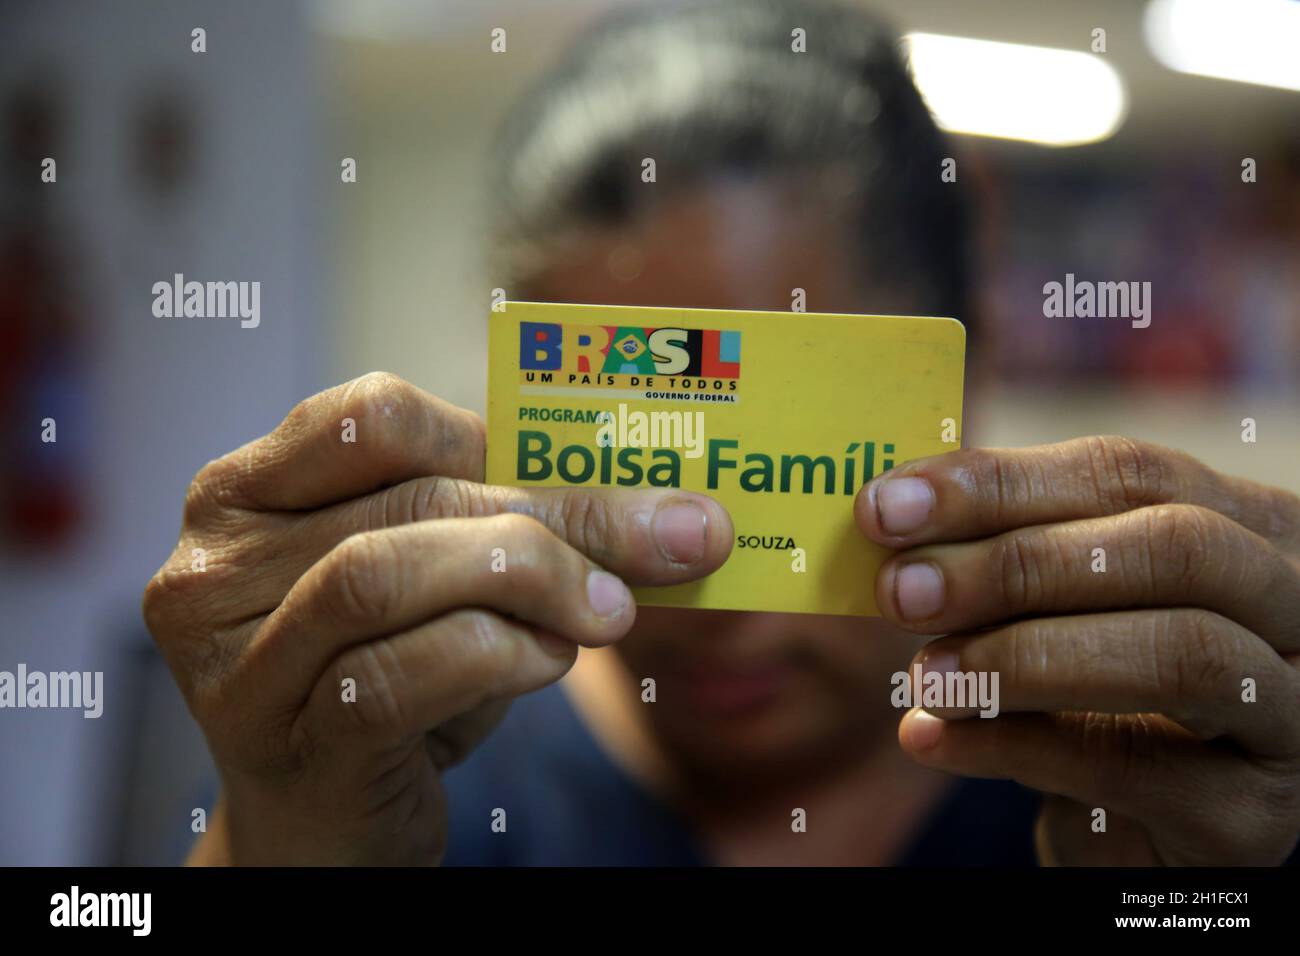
(660, 362)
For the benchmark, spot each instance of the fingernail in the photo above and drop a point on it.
(921, 731)
(607, 595)
(918, 591)
(939, 662)
(903, 504)
(679, 529)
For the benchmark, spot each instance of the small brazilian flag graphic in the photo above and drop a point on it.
(629, 353)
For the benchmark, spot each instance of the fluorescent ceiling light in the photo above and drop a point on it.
(1250, 41)
(1012, 91)
(392, 21)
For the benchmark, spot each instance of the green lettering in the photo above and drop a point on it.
(716, 461)
(528, 454)
(808, 465)
(764, 471)
(566, 455)
(671, 463)
(627, 458)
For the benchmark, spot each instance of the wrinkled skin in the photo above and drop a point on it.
(373, 562)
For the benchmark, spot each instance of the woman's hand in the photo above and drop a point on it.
(1164, 689)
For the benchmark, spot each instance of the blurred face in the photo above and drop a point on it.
(751, 690)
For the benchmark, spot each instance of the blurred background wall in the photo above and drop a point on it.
(167, 161)
(225, 165)
(417, 95)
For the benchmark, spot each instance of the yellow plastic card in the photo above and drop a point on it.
(780, 416)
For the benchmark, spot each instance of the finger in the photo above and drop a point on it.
(984, 491)
(645, 536)
(1190, 665)
(456, 737)
(374, 431)
(423, 678)
(1139, 766)
(387, 581)
(1067, 834)
(1091, 758)
(1164, 556)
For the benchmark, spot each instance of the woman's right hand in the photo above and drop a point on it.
(326, 562)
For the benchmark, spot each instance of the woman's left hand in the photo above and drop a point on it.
(1164, 689)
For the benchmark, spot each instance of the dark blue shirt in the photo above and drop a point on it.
(567, 804)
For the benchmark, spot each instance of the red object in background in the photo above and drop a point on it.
(17, 303)
(42, 337)
(1186, 349)
(43, 514)
(40, 483)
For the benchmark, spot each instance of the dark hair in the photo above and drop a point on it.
(714, 88)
